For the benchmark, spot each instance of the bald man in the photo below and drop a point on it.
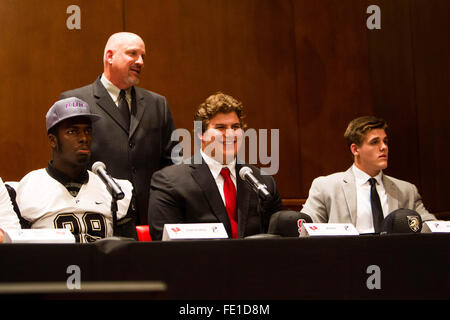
(133, 136)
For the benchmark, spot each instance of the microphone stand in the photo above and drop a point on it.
(114, 209)
(261, 208)
(114, 197)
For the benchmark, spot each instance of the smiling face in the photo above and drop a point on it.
(372, 155)
(124, 59)
(223, 137)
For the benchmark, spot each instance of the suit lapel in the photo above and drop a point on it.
(137, 109)
(243, 199)
(349, 188)
(392, 193)
(202, 175)
(104, 101)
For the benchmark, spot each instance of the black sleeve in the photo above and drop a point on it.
(126, 227)
(167, 143)
(165, 205)
(272, 204)
(25, 224)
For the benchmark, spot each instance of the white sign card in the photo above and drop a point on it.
(38, 236)
(189, 231)
(436, 226)
(328, 229)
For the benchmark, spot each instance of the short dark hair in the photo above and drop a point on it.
(358, 128)
(53, 130)
(218, 103)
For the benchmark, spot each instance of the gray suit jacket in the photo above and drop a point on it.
(132, 154)
(333, 198)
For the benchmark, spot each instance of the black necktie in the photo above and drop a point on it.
(377, 212)
(124, 108)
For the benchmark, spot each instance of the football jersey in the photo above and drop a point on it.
(46, 203)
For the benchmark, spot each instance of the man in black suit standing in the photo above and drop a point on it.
(207, 188)
(133, 137)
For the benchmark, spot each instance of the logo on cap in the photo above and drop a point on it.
(413, 223)
(68, 108)
(75, 104)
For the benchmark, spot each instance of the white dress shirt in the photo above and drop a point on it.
(215, 167)
(114, 92)
(364, 221)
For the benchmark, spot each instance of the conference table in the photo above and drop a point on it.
(401, 266)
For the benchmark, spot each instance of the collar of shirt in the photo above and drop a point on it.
(63, 178)
(364, 221)
(114, 92)
(215, 167)
(362, 178)
(72, 185)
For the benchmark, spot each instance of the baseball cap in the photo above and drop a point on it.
(68, 108)
(402, 221)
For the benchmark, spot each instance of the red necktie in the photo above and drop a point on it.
(229, 191)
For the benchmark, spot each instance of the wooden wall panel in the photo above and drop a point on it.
(243, 48)
(304, 67)
(40, 58)
(392, 74)
(333, 82)
(431, 53)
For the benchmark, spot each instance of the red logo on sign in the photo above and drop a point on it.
(300, 223)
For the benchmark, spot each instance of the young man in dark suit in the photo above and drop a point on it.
(133, 137)
(208, 188)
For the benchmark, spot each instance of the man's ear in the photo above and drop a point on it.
(53, 141)
(199, 135)
(109, 56)
(354, 149)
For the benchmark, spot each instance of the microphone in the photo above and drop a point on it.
(246, 174)
(402, 221)
(288, 223)
(113, 187)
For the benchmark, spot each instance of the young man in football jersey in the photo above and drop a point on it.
(66, 194)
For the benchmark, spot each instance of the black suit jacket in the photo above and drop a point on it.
(187, 193)
(135, 153)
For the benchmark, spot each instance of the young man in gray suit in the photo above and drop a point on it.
(345, 197)
(133, 136)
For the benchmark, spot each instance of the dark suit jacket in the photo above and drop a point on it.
(187, 193)
(132, 154)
